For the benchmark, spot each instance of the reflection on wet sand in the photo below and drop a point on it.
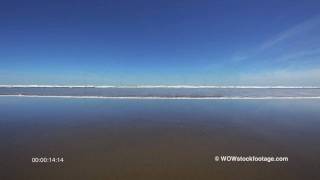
(158, 139)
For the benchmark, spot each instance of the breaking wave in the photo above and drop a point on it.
(160, 86)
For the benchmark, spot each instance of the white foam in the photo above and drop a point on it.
(157, 97)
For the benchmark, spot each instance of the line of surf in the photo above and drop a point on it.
(159, 97)
(161, 86)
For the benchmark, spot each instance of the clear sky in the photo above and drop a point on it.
(152, 42)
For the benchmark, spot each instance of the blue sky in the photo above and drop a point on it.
(130, 42)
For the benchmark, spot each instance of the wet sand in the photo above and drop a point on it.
(158, 139)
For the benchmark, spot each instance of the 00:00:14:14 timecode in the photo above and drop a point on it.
(47, 160)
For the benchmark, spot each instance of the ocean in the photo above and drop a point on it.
(162, 91)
